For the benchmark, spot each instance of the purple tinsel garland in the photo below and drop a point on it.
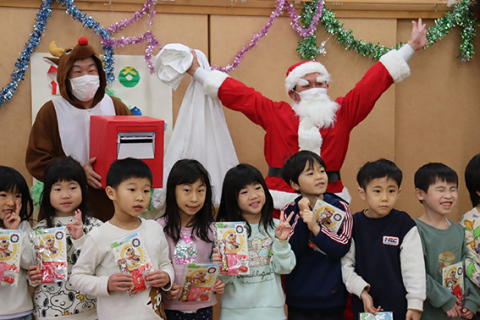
(148, 36)
(279, 6)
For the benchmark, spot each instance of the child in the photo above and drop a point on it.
(443, 243)
(187, 224)
(16, 208)
(64, 203)
(128, 185)
(315, 288)
(470, 221)
(384, 266)
(258, 295)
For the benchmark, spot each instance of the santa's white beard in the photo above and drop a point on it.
(319, 111)
(314, 113)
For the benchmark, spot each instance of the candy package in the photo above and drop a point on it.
(10, 253)
(50, 253)
(231, 242)
(131, 256)
(379, 316)
(452, 278)
(328, 215)
(199, 282)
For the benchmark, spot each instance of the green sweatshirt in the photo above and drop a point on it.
(443, 248)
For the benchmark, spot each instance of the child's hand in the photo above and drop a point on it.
(121, 281)
(12, 220)
(454, 312)
(173, 293)
(413, 315)
(34, 275)
(284, 228)
(76, 227)
(157, 278)
(309, 218)
(303, 204)
(368, 303)
(465, 313)
(219, 287)
(216, 257)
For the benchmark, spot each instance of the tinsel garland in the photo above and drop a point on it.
(41, 21)
(313, 12)
(460, 15)
(24, 60)
(149, 37)
(279, 6)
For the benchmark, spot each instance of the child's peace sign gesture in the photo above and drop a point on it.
(76, 227)
(284, 228)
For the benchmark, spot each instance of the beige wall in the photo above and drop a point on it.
(431, 116)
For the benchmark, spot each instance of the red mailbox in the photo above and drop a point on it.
(120, 137)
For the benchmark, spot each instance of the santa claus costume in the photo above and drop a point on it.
(288, 131)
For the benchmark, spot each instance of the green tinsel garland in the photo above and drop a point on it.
(461, 15)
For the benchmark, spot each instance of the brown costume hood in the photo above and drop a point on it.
(65, 60)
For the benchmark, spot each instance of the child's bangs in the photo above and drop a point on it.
(247, 178)
(448, 177)
(11, 183)
(192, 178)
(64, 174)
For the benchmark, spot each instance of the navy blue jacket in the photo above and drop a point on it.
(316, 282)
(377, 259)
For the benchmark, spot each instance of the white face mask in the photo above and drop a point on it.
(85, 87)
(313, 94)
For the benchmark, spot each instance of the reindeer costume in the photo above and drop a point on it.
(62, 126)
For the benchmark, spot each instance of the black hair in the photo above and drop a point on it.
(432, 172)
(64, 169)
(12, 181)
(188, 171)
(235, 180)
(293, 167)
(378, 169)
(472, 179)
(125, 169)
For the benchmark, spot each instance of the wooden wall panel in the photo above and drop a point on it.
(431, 116)
(437, 116)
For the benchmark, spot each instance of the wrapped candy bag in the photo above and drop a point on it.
(379, 316)
(231, 242)
(10, 253)
(452, 278)
(50, 253)
(199, 282)
(131, 256)
(328, 215)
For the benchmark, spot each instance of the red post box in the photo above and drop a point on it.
(120, 137)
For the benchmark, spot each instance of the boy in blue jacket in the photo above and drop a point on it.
(314, 289)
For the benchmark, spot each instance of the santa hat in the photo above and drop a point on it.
(301, 69)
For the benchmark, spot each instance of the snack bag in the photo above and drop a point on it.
(452, 278)
(232, 245)
(199, 282)
(10, 253)
(131, 256)
(379, 316)
(50, 254)
(328, 215)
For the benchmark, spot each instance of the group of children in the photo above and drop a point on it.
(389, 262)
